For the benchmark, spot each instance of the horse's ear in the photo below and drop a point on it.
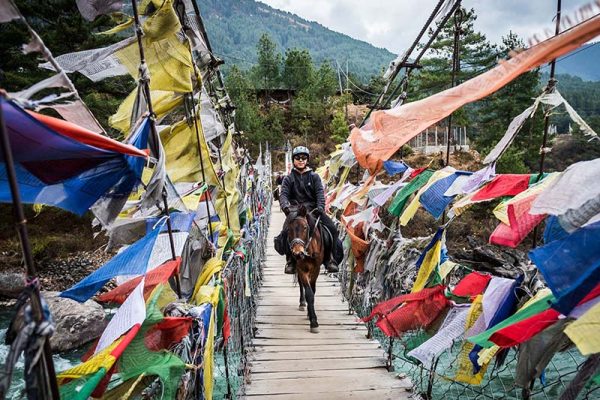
(302, 211)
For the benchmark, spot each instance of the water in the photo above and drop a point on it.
(62, 361)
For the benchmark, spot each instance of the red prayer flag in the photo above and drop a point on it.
(472, 284)
(153, 278)
(503, 185)
(409, 311)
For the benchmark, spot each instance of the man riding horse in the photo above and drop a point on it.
(303, 187)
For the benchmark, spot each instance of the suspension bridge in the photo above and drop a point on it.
(289, 362)
(208, 312)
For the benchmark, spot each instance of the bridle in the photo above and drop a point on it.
(310, 236)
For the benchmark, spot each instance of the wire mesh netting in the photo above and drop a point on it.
(438, 381)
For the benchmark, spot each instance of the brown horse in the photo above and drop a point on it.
(308, 250)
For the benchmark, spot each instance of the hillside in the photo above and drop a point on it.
(235, 26)
(582, 63)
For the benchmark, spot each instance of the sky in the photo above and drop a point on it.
(394, 24)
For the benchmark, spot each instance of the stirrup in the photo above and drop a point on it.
(290, 268)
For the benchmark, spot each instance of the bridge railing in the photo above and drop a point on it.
(384, 279)
(242, 277)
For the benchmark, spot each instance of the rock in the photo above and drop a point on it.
(499, 261)
(11, 284)
(76, 323)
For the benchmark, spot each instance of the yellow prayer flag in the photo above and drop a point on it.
(162, 103)
(430, 262)
(584, 331)
(180, 143)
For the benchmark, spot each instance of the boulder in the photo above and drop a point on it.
(11, 284)
(76, 323)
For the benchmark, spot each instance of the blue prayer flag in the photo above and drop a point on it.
(131, 261)
(570, 266)
(394, 167)
(60, 171)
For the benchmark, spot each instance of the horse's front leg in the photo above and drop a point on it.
(310, 300)
(302, 306)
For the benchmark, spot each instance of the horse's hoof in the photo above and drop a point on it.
(314, 330)
(301, 308)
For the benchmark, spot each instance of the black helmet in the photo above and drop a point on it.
(300, 150)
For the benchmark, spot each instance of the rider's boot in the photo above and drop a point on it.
(290, 266)
(332, 267)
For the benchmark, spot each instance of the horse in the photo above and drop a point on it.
(308, 250)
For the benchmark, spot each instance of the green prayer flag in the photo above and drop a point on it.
(402, 196)
(483, 339)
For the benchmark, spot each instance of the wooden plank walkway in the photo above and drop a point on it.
(289, 362)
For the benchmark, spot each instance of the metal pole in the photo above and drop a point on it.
(222, 86)
(405, 58)
(347, 91)
(199, 147)
(455, 68)
(224, 188)
(155, 138)
(403, 85)
(390, 356)
(228, 395)
(210, 229)
(550, 87)
(47, 374)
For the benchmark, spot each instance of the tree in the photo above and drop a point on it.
(325, 83)
(238, 85)
(297, 69)
(65, 31)
(339, 128)
(269, 63)
(475, 55)
(497, 111)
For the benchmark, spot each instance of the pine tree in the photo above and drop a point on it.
(497, 111)
(268, 68)
(297, 69)
(475, 55)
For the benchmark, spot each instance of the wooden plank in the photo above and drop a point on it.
(316, 365)
(319, 385)
(294, 294)
(299, 318)
(378, 394)
(332, 373)
(307, 342)
(322, 327)
(320, 347)
(295, 301)
(291, 322)
(332, 353)
(305, 334)
(291, 309)
(294, 312)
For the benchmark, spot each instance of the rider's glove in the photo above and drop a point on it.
(320, 211)
(286, 210)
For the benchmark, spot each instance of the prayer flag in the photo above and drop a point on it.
(570, 266)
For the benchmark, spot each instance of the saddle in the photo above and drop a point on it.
(327, 238)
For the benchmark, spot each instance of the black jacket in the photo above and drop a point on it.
(302, 188)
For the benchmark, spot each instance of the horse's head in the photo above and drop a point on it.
(298, 232)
